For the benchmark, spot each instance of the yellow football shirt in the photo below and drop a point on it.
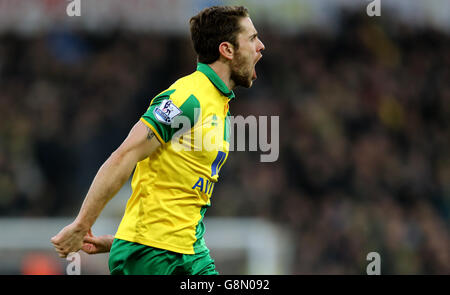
(172, 188)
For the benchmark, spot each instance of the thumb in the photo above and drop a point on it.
(88, 239)
(54, 239)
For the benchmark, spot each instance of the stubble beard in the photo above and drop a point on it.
(241, 75)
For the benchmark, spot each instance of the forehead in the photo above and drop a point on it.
(247, 27)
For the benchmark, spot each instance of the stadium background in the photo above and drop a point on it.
(364, 107)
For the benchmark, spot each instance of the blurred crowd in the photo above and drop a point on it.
(364, 114)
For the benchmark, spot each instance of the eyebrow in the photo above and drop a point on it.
(254, 35)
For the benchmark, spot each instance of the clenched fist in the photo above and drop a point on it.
(69, 239)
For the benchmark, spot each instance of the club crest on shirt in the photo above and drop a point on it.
(166, 111)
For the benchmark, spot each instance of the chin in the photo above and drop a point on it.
(245, 81)
(248, 84)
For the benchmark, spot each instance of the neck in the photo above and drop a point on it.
(224, 72)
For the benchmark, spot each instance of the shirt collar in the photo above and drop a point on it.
(215, 79)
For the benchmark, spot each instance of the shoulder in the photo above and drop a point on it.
(179, 99)
(187, 87)
(185, 93)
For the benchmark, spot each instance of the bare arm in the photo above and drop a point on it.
(113, 174)
(140, 143)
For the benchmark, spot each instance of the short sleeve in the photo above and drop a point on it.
(164, 108)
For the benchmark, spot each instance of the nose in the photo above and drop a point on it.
(261, 46)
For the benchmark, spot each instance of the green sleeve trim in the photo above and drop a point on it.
(160, 97)
(149, 117)
(152, 127)
(190, 109)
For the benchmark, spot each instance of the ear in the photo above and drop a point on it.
(226, 50)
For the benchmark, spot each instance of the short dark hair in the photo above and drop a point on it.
(215, 25)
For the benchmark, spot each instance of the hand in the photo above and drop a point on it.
(69, 239)
(95, 245)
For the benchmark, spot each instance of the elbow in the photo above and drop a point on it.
(124, 156)
(118, 156)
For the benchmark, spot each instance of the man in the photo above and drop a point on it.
(162, 229)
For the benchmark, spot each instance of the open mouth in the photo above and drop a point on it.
(254, 76)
